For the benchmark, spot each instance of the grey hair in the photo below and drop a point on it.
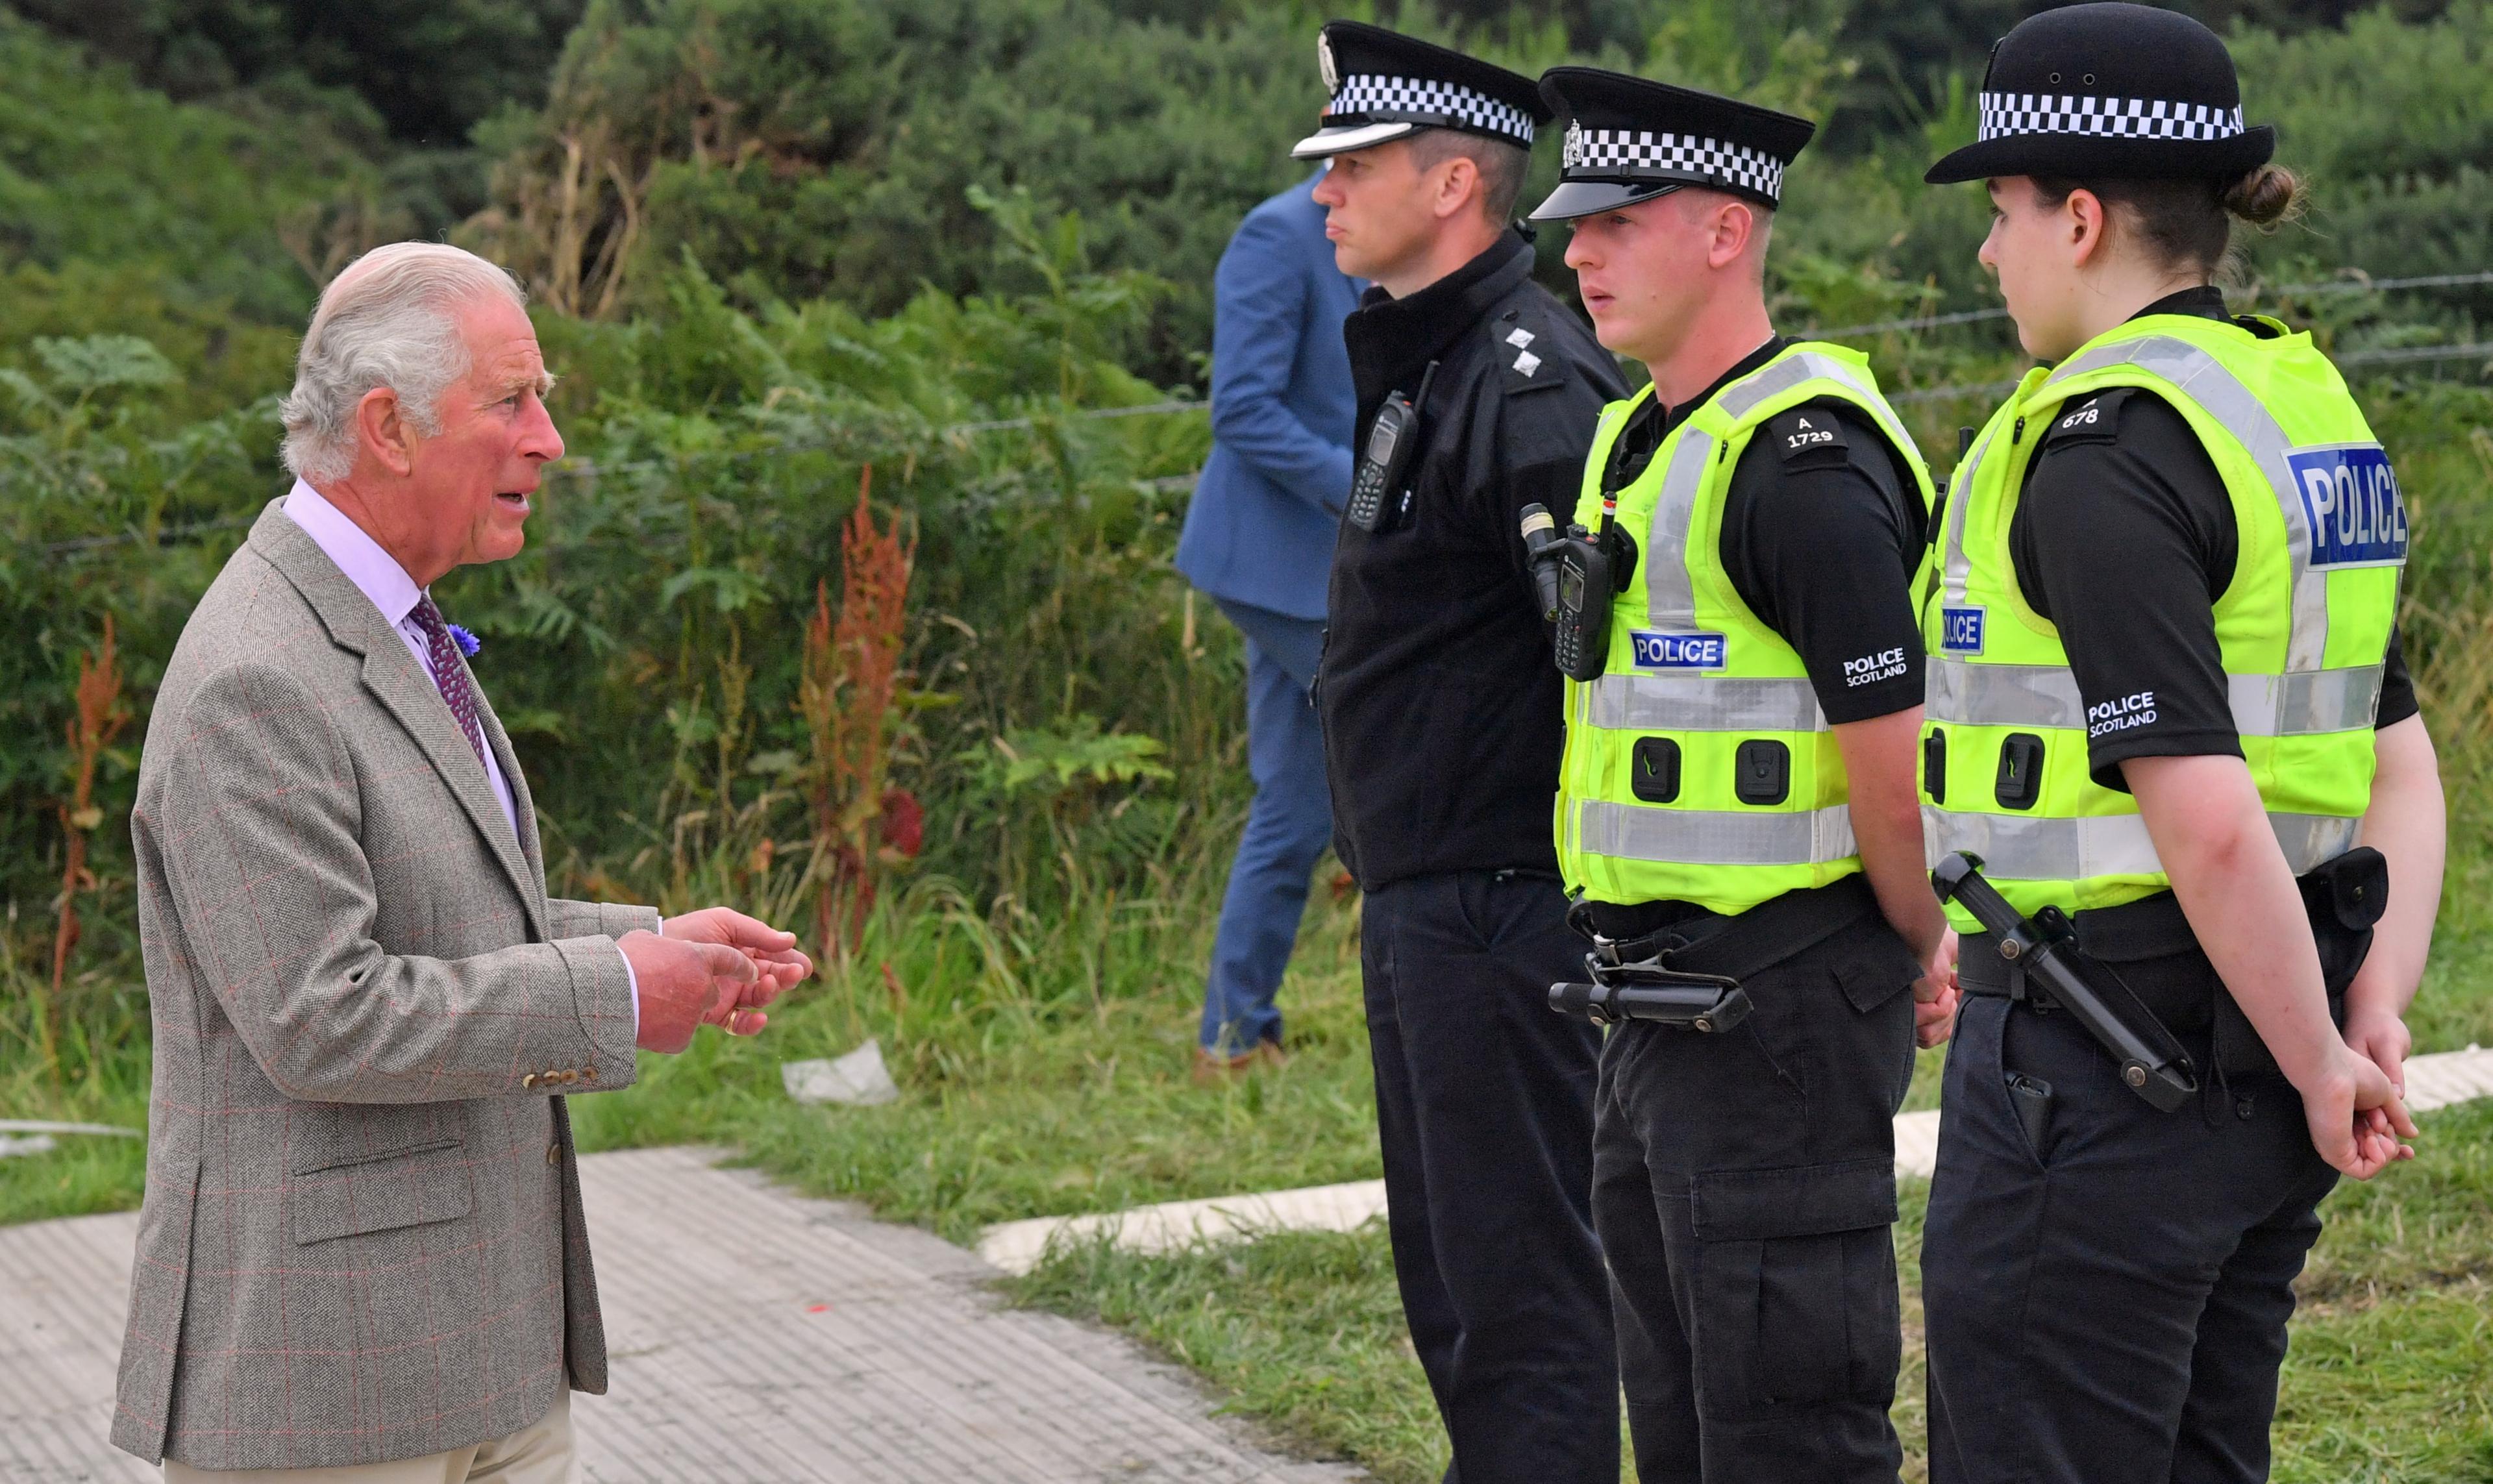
(390, 320)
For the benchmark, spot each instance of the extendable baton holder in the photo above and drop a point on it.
(2045, 948)
(1648, 992)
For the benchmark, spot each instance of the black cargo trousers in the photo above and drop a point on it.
(2106, 1286)
(1485, 1111)
(1744, 1188)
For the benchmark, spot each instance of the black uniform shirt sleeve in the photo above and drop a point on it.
(1822, 539)
(2397, 687)
(2124, 540)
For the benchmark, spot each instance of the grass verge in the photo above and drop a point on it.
(1039, 1096)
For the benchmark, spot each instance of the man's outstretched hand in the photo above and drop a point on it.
(779, 967)
(683, 984)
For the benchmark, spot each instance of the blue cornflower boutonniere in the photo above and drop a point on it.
(468, 644)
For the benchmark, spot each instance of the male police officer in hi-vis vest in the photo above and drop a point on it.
(1736, 806)
(1477, 392)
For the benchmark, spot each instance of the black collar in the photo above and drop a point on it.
(2207, 301)
(1652, 422)
(1390, 341)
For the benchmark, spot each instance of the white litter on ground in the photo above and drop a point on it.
(857, 1078)
(12, 1144)
(2436, 1081)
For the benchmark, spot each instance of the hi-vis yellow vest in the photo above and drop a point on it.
(1699, 767)
(2302, 628)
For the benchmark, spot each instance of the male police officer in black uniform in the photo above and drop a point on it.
(1478, 393)
(1738, 801)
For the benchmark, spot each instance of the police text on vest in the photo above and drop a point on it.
(1656, 650)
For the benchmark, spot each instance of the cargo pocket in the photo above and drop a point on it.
(1795, 1296)
(403, 1188)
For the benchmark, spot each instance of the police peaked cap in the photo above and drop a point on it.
(2110, 90)
(1629, 139)
(1384, 85)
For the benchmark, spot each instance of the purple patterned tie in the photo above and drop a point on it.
(449, 675)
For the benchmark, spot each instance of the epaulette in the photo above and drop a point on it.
(2095, 418)
(1519, 339)
(1808, 436)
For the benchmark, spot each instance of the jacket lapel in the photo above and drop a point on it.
(405, 690)
(524, 812)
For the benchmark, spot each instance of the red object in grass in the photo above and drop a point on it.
(903, 823)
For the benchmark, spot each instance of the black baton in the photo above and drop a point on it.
(2046, 948)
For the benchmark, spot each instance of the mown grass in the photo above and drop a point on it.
(1073, 1093)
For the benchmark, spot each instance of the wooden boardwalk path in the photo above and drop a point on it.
(836, 1348)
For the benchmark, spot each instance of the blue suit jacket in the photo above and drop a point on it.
(1261, 527)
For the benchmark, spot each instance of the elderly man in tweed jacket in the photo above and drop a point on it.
(362, 1250)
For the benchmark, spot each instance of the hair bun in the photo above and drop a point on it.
(2266, 196)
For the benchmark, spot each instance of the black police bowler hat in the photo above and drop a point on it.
(1629, 139)
(2113, 90)
(1384, 85)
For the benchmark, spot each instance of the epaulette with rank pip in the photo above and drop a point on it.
(1520, 339)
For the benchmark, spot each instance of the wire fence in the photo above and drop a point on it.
(586, 469)
(2357, 282)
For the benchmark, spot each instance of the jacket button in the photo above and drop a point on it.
(554, 1154)
(528, 1080)
(588, 1073)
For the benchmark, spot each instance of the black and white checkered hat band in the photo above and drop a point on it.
(2119, 118)
(1421, 100)
(1631, 152)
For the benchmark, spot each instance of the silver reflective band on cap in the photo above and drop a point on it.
(1697, 704)
(1707, 837)
(2046, 696)
(2020, 848)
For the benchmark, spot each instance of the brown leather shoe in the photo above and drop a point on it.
(1211, 1068)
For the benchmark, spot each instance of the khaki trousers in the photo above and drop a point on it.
(542, 1454)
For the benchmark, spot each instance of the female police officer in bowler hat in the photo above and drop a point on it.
(2165, 696)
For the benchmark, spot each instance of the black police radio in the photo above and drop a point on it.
(1576, 575)
(1380, 499)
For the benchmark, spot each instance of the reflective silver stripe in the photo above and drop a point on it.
(2042, 696)
(1696, 703)
(1957, 569)
(2312, 841)
(2024, 849)
(1670, 596)
(1739, 399)
(2003, 695)
(2306, 703)
(2205, 380)
(1701, 837)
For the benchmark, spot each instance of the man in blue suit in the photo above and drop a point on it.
(1258, 541)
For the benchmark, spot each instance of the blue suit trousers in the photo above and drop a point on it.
(1287, 828)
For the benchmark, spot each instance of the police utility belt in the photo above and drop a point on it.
(2135, 977)
(1686, 976)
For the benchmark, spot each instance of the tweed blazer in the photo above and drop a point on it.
(362, 1237)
